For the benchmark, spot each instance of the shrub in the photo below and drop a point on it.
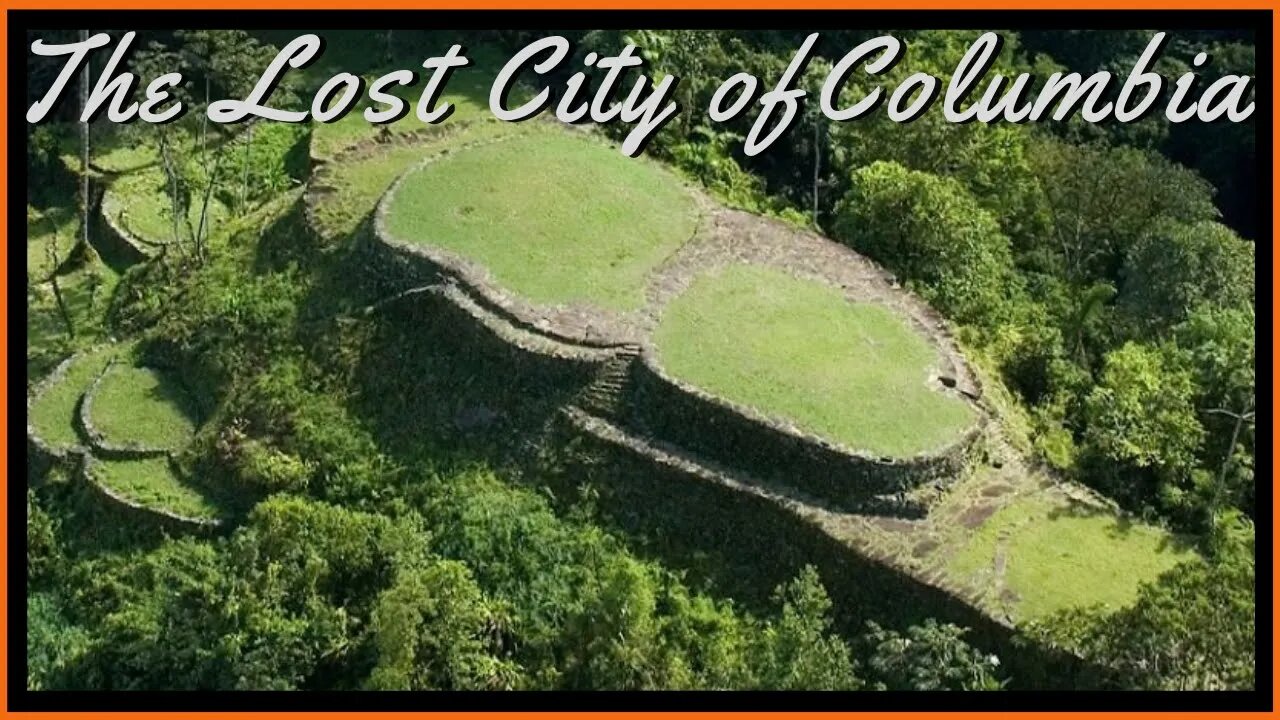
(934, 233)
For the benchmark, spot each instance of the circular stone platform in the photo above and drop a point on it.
(551, 217)
(853, 373)
(119, 425)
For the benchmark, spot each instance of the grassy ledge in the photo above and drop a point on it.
(143, 406)
(554, 217)
(140, 204)
(358, 182)
(1044, 556)
(851, 372)
(53, 414)
(152, 483)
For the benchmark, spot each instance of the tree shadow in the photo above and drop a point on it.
(172, 391)
(1122, 526)
(423, 370)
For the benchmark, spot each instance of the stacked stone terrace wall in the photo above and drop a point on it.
(122, 243)
(743, 438)
(758, 539)
(43, 456)
(659, 403)
(576, 323)
(472, 320)
(136, 511)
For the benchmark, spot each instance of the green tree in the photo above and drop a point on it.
(992, 161)
(44, 550)
(931, 231)
(1218, 346)
(800, 650)
(54, 644)
(619, 635)
(1141, 419)
(1102, 200)
(435, 630)
(932, 656)
(1176, 267)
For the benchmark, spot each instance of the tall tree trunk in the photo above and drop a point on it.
(176, 210)
(51, 252)
(204, 206)
(248, 153)
(204, 161)
(84, 145)
(1242, 417)
(1226, 462)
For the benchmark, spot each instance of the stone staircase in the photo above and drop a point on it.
(605, 396)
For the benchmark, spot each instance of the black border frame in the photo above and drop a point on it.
(22, 699)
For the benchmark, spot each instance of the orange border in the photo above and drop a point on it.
(6, 5)
(637, 5)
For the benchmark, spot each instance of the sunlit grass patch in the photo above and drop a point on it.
(855, 373)
(554, 217)
(1052, 554)
(153, 483)
(54, 413)
(143, 406)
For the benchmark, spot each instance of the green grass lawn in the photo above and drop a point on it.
(359, 183)
(554, 217)
(1057, 555)
(141, 205)
(467, 92)
(56, 227)
(145, 406)
(54, 413)
(122, 155)
(797, 349)
(151, 482)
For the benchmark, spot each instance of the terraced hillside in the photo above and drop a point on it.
(753, 356)
(743, 359)
(118, 425)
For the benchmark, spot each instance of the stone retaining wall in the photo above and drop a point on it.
(475, 330)
(102, 445)
(754, 539)
(123, 244)
(741, 437)
(671, 409)
(43, 456)
(134, 510)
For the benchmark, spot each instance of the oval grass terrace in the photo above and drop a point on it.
(139, 407)
(549, 216)
(853, 373)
